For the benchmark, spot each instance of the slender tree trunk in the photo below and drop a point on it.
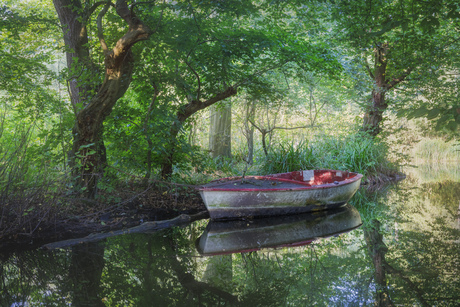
(264, 142)
(220, 131)
(148, 162)
(249, 130)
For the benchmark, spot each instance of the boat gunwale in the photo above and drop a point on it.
(302, 184)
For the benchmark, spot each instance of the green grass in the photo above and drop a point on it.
(357, 153)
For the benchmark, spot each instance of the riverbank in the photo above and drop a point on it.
(71, 218)
(68, 217)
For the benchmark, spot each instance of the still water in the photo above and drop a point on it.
(397, 246)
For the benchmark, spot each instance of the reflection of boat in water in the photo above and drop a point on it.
(279, 194)
(226, 237)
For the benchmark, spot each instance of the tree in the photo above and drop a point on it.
(220, 133)
(206, 52)
(96, 79)
(400, 38)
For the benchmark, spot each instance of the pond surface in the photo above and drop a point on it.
(406, 253)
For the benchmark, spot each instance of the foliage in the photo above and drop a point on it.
(409, 42)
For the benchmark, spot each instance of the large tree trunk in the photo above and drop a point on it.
(220, 131)
(92, 99)
(373, 115)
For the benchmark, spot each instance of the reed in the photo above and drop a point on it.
(358, 153)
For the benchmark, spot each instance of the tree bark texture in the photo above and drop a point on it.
(93, 100)
(220, 136)
(373, 115)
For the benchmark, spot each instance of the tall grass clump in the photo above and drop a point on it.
(358, 153)
(27, 193)
(289, 157)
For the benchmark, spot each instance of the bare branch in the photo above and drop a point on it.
(398, 80)
(368, 69)
(252, 123)
(197, 78)
(292, 128)
(236, 85)
(130, 121)
(152, 104)
(100, 32)
(96, 5)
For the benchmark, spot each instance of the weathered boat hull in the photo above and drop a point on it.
(279, 194)
(224, 237)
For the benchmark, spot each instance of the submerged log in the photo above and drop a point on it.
(147, 227)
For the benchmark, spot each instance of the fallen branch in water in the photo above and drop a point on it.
(146, 227)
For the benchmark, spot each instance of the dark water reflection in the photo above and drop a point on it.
(406, 253)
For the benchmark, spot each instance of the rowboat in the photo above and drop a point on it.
(238, 236)
(279, 194)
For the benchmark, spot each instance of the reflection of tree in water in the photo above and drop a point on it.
(32, 276)
(418, 267)
(85, 271)
(158, 270)
(377, 251)
(266, 282)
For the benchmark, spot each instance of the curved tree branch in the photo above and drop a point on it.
(196, 105)
(93, 8)
(198, 91)
(398, 80)
(100, 32)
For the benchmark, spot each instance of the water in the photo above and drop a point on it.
(406, 253)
